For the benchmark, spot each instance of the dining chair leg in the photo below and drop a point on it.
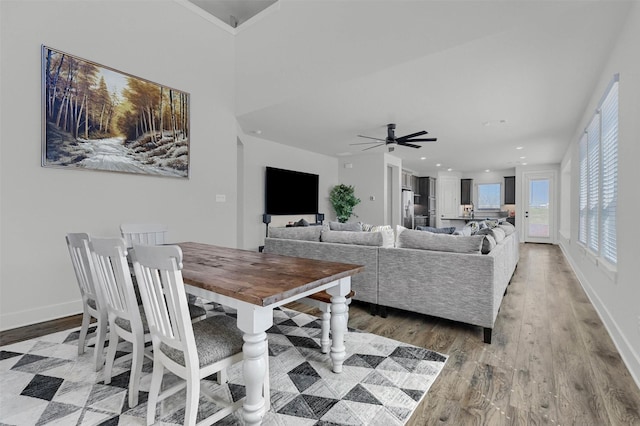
(154, 391)
(193, 397)
(111, 354)
(222, 377)
(84, 329)
(101, 335)
(136, 371)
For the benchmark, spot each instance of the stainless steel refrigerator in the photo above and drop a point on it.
(407, 209)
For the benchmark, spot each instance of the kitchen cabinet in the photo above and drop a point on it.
(465, 191)
(509, 190)
(407, 180)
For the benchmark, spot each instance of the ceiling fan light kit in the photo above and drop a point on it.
(391, 139)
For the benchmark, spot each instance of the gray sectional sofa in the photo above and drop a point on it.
(433, 274)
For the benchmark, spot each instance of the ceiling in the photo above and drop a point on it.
(233, 12)
(484, 77)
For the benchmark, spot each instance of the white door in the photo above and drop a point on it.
(539, 207)
(448, 205)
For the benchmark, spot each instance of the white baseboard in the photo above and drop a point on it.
(629, 357)
(34, 316)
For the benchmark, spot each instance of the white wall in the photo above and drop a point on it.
(379, 193)
(259, 153)
(616, 296)
(164, 43)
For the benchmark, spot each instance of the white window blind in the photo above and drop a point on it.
(582, 229)
(598, 179)
(609, 143)
(593, 177)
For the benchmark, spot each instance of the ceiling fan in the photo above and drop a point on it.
(391, 139)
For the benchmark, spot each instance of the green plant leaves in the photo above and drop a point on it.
(343, 200)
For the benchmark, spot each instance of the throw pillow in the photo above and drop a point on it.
(301, 222)
(497, 233)
(465, 232)
(348, 226)
(306, 233)
(399, 230)
(473, 227)
(366, 227)
(379, 228)
(491, 223)
(488, 244)
(350, 237)
(507, 228)
(447, 230)
(439, 242)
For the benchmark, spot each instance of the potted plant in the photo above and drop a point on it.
(343, 201)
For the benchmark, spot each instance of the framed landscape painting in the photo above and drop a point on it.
(97, 118)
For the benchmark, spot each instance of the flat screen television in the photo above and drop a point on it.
(290, 192)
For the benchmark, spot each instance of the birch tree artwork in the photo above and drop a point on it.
(98, 118)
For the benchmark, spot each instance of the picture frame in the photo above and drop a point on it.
(95, 117)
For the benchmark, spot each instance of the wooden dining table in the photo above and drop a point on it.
(254, 284)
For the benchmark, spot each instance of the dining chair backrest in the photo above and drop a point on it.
(113, 277)
(159, 276)
(144, 233)
(78, 245)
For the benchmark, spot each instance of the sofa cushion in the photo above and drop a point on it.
(301, 222)
(307, 233)
(348, 226)
(408, 238)
(507, 228)
(488, 244)
(378, 239)
(447, 230)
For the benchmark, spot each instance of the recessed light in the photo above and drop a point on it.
(449, 169)
(486, 123)
(438, 165)
(524, 164)
(487, 171)
(523, 157)
(423, 158)
(519, 147)
(257, 132)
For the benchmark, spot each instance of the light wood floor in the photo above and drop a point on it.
(551, 361)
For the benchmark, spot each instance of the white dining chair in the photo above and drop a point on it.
(190, 351)
(154, 234)
(126, 317)
(92, 303)
(144, 233)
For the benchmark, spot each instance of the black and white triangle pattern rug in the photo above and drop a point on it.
(43, 381)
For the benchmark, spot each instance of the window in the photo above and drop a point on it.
(598, 180)
(489, 196)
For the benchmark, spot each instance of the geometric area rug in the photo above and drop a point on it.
(43, 381)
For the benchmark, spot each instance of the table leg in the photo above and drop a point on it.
(254, 323)
(339, 321)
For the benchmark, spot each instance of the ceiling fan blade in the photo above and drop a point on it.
(423, 140)
(413, 135)
(369, 137)
(410, 145)
(375, 146)
(365, 143)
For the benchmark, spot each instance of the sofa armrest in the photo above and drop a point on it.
(365, 283)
